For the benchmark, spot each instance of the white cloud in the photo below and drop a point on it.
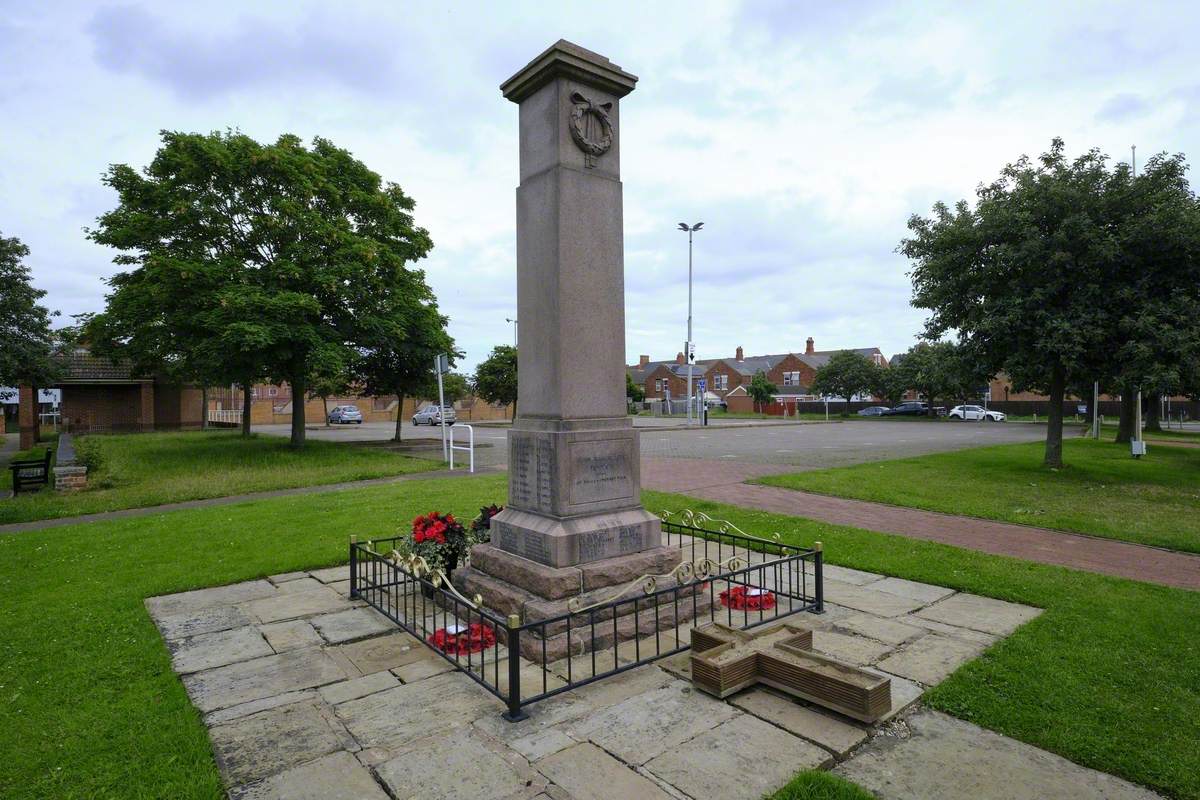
(804, 135)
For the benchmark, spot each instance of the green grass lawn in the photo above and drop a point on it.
(149, 469)
(813, 784)
(1109, 676)
(1102, 491)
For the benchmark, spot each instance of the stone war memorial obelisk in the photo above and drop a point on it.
(574, 524)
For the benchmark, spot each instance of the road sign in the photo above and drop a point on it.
(703, 385)
(442, 364)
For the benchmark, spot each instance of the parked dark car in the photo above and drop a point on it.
(910, 409)
(873, 411)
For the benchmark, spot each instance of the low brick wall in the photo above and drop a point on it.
(70, 479)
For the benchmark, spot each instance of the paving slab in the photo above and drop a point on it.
(386, 652)
(832, 572)
(284, 577)
(619, 688)
(299, 604)
(956, 631)
(934, 755)
(302, 583)
(924, 592)
(261, 677)
(331, 574)
(291, 635)
(905, 694)
(425, 668)
(542, 743)
(209, 619)
(646, 725)
(352, 624)
(209, 650)
(222, 715)
(931, 658)
(980, 613)
(864, 598)
(393, 718)
(852, 649)
(458, 766)
(586, 772)
(891, 631)
(229, 595)
(337, 776)
(837, 734)
(254, 747)
(742, 759)
(355, 688)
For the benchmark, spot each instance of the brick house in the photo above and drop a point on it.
(792, 373)
(99, 395)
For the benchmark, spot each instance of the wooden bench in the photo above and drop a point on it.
(30, 473)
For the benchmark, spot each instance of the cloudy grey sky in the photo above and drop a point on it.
(802, 134)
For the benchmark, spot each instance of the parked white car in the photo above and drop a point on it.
(431, 415)
(976, 413)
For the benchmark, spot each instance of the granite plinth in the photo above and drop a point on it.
(556, 583)
(571, 541)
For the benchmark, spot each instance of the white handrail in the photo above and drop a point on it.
(470, 447)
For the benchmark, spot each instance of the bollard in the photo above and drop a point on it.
(818, 574)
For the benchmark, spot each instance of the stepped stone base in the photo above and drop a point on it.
(510, 584)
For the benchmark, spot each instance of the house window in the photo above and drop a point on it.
(878, 359)
(720, 381)
(254, 392)
(791, 379)
(272, 391)
(658, 385)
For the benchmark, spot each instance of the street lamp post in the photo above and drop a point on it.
(687, 347)
(513, 320)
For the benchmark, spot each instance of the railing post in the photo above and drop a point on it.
(353, 567)
(515, 712)
(818, 575)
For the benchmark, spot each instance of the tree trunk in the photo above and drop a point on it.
(247, 406)
(1125, 428)
(203, 408)
(298, 393)
(399, 416)
(1153, 409)
(325, 407)
(37, 413)
(1054, 420)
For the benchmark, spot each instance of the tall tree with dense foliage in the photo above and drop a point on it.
(1025, 276)
(633, 392)
(845, 374)
(26, 342)
(258, 260)
(761, 390)
(496, 377)
(937, 370)
(399, 360)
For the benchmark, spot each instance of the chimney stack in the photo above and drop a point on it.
(679, 358)
(643, 360)
(739, 354)
(809, 347)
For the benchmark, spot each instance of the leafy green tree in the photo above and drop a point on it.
(400, 359)
(1024, 276)
(455, 387)
(761, 390)
(27, 345)
(635, 393)
(892, 382)
(845, 374)
(496, 377)
(936, 370)
(323, 384)
(250, 260)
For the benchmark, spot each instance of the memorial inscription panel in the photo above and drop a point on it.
(601, 470)
(530, 484)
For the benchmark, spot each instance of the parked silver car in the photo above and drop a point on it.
(345, 415)
(432, 415)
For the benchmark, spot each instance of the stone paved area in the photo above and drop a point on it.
(308, 694)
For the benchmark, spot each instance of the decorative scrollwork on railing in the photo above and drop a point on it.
(686, 573)
(418, 567)
(692, 519)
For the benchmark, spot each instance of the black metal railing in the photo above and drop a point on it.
(729, 577)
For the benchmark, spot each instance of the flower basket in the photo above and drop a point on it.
(459, 640)
(748, 598)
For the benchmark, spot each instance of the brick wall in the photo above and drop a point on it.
(116, 408)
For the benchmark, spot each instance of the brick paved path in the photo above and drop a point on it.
(722, 482)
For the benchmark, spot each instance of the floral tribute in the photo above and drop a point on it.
(481, 526)
(441, 540)
(459, 640)
(747, 598)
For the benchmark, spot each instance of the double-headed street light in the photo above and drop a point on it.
(513, 320)
(687, 347)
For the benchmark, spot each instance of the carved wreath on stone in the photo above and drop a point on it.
(591, 128)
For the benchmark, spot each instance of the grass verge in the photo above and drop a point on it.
(1102, 491)
(813, 784)
(150, 469)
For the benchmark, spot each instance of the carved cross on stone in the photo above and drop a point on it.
(726, 660)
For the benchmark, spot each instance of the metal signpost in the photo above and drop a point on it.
(441, 365)
(701, 405)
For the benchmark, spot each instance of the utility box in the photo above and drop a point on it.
(1138, 447)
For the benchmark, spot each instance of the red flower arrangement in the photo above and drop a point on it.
(432, 527)
(747, 598)
(459, 640)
